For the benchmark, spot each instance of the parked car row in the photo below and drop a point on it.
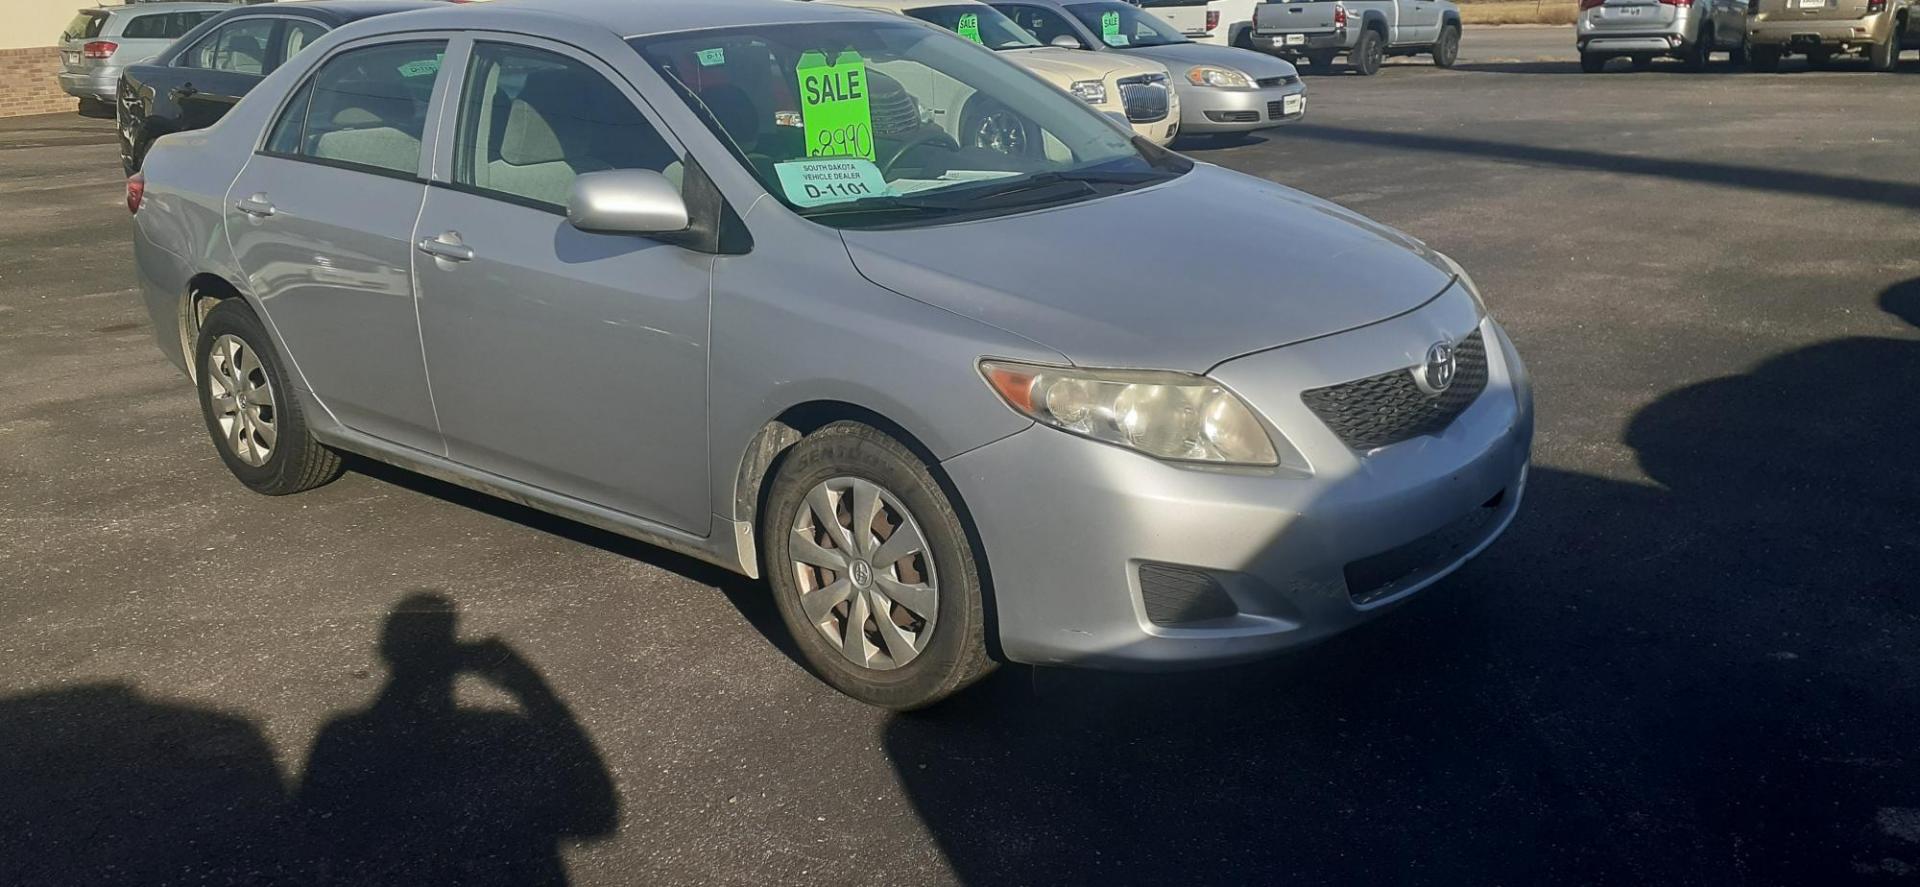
(727, 276)
(1756, 33)
(1111, 54)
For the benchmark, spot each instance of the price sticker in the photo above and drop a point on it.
(969, 27)
(823, 180)
(834, 105)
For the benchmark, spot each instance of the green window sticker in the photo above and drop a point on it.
(834, 104)
(1110, 29)
(712, 57)
(969, 27)
(421, 68)
(823, 180)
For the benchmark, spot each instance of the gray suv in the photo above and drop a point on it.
(674, 270)
(99, 43)
(1643, 30)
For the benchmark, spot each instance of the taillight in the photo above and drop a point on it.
(1340, 16)
(99, 49)
(1874, 6)
(136, 191)
(1213, 20)
(1589, 4)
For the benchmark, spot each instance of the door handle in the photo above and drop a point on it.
(183, 91)
(446, 246)
(256, 205)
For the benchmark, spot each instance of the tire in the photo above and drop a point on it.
(1700, 53)
(263, 436)
(1321, 60)
(1885, 55)
(1367, 53)
(1447, 50)
(1763, 59)
(884, 668)
(1593, 62)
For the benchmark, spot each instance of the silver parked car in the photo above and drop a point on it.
(1222, 89)
(713, 275)
(101, 42)
(1642, 30)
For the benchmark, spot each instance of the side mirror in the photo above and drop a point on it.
(1066, 41)
(626, 201)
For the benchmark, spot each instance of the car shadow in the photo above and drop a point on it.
(1708, 679)
(103, 784)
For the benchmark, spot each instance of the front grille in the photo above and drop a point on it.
(1389, 408)
(1147, 98)
(1388, 573)
(1173, 595)
(1271, 82)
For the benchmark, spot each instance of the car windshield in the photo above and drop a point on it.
(977, 22)
(1124, 25)
(894, 124)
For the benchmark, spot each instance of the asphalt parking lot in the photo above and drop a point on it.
(1692, 660)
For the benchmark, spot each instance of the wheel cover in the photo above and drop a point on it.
(865, 574)
(240, 395)
(1001, 131)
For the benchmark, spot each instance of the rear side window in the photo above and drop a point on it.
(239, 47)
(531, 120)
(365, 108)
(85, 26)
(162, 26)
(296, 37)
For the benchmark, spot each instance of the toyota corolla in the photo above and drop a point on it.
(714, 275)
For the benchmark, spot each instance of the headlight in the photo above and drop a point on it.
(1165, 415)
(1093, 92)
(1219, 78)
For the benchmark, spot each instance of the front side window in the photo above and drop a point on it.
(981, 24)
(163, 26)
(239, 47)
(364, 108)
(1042, 22)
(532, 120)
(893, 124)
(1123, 24)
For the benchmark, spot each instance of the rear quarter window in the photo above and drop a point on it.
(162, 26)
(85, 26)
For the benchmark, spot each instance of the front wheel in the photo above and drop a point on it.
(1368, 53)
(249, 407)
(1447, 50)
(1885, 55)
(872, 569)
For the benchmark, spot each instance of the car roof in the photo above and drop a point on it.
(901, 5)
(144, 8)
(333, 11)
(625, 18)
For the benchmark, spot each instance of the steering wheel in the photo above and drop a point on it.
(928, 135)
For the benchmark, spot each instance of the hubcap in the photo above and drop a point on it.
(865, 575)
(242, 399)
(1000, 131)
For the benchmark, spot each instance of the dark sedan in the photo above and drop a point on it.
(195, 81)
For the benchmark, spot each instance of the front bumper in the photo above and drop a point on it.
(1209, 110)
(1797, 36)
(98, 83)
(1067, 523)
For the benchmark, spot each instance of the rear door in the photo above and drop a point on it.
(1419, 22)
(572, 361)
(321, 222)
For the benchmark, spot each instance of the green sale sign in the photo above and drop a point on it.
(834, 105)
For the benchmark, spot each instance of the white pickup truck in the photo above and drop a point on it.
(1365, 31)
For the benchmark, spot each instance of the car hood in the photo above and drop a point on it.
(1181, 56)
(1062, 67)
(1182, 276)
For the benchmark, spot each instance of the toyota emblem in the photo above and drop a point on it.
(1436, 374)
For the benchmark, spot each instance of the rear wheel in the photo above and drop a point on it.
(251, 413)
(1763, 59)
(872, 570)
(1885, 55)
(1368, 53)
(1593, 62)
(1447, 50)
(1700, 53)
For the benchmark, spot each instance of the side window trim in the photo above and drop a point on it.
(455, 53)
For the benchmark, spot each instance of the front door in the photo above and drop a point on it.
(321, 222)
(572, 361)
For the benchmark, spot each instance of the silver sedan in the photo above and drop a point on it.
(718, 276)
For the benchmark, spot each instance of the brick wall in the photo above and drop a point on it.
(27, 84)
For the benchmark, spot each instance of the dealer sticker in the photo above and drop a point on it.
(818, 181)
(834, 105)
(1110, 29)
